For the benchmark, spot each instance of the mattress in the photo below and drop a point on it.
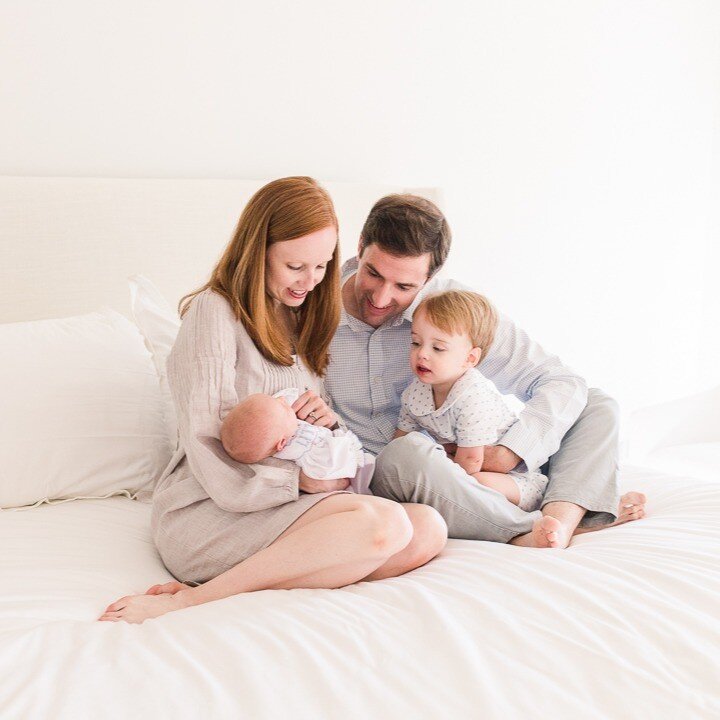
(622, 624)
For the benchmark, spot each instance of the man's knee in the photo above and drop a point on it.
(602, 408)
(404, 458)
(406, 453)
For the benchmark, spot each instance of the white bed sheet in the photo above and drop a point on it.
(623, 624)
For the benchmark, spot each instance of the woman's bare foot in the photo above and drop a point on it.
(137, 608)
(548, 532)
(631, 507)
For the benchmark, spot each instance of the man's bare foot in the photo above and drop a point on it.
(631, 507)
(137, 608)
(548, 532)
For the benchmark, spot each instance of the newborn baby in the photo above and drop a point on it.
(262, 426)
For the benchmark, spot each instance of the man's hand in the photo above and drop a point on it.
(311, 485)
(499, 459)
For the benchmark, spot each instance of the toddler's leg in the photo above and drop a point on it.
(501, 483)
(532, 486)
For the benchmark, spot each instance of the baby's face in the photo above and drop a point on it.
(287, 421)
(437, 357)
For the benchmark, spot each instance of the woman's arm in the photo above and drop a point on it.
(201, 374)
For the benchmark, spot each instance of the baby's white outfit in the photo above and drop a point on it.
(473, 414)
(326, 454)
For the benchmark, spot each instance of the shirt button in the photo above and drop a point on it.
(377, 378)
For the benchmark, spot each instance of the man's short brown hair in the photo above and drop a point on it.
(408, 225)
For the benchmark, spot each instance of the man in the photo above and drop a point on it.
(565, 429)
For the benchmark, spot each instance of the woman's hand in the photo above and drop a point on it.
(311, 408)
(311, 485)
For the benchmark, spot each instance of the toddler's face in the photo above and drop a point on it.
(437, 357)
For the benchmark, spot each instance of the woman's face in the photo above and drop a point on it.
(294, 267)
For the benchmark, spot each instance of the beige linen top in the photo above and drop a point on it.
(209, 511)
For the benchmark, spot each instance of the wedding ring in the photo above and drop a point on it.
(312, 415)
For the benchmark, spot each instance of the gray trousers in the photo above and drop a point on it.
(583, 471)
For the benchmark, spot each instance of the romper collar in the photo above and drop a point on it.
(421, 401)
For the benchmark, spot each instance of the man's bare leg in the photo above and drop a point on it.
(555, 528)
(567, 516)
(631, 507)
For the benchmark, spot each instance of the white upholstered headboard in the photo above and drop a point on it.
(67, 245)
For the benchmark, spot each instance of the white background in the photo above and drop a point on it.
(577, 141)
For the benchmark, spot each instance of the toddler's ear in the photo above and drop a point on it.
(474, 356)
(282, 442)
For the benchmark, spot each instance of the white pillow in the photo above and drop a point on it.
(159, 324)
(81, 412)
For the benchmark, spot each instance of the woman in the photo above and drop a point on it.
(262, 323)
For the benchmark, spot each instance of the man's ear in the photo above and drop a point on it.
(360, 247)
(474, 356)
(281, 443)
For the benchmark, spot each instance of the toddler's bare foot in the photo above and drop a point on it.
(548, 532)
(631, 507)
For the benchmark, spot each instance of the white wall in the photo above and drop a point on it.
(577, 141)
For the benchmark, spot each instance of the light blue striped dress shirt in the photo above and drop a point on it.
(369, 369)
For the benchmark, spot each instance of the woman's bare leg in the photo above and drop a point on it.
(429, 538)
(340, 540)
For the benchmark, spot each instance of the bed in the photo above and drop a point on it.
(622, 624)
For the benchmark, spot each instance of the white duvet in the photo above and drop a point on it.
(623, 624)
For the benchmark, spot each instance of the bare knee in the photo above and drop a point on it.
(389, 529)
(430, 534)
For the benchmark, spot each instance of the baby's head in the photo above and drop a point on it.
(451, 332)
(257, 428)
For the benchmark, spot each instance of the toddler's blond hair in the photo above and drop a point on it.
(462, 312)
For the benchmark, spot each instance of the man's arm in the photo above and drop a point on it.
(554, 395)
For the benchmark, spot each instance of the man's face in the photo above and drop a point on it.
(386, 285)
